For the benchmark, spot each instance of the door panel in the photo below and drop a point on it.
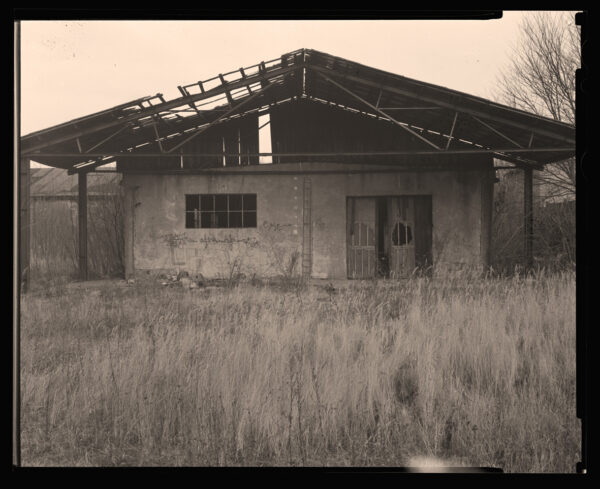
(362, 255)
(401, 222)
(406, 234)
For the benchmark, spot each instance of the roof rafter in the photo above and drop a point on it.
(379, 111)
(497, 132)
(223, 116)
(442, 103)
(156, 109)
(323, 78)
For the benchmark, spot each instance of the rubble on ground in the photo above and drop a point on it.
(183, 279)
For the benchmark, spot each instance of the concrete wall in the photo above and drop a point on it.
(158, 239)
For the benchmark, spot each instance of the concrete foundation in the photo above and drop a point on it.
(156, 237)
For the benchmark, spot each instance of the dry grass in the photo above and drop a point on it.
(480, 373)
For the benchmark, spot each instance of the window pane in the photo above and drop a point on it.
(206, 219)
(235, 219)
(221, 220)
(206, 203)
(249, 219)
(221, 202)
(402, 234)
(235, 202)
(192, 202)
(189, 220)
(249, 202)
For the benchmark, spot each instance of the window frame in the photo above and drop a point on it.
(215, 213)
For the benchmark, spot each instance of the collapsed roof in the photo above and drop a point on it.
(444, 121)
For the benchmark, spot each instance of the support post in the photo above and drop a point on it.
(82, 221)
(487, 204)
(128, 231)
(528, 215)
(306, 230)
(25, 223)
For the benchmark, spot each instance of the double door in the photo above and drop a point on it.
(388, 236)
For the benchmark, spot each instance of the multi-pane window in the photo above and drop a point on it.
(220, 211)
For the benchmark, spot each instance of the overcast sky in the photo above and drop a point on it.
(71, 69)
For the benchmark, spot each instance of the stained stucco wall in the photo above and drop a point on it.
(158, 239)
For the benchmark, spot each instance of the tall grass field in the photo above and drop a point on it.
(477, 373)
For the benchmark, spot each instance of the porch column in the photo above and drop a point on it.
(25, 223)
(82, 223)
(528, 216)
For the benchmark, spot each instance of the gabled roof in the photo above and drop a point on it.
(445, 120)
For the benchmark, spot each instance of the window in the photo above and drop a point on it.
(402, 234)
(220, 211)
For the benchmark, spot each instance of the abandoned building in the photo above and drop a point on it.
(366, 174)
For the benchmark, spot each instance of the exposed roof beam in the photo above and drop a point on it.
(118, 131)
(379, 111)
(379, 99)
(496, 131)
(185, 93)
(162, 150)
(450, 138)
(263, 75)
(346, 153)
(222, 116)
(410, 108)
(90, 165)
(449, 105)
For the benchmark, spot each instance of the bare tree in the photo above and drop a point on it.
(541, 79)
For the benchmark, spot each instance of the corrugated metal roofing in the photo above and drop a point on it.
(54, 182)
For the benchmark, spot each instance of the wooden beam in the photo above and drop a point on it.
(379, 111)
(452, 130)
(528, 216)
(411, 108)
(334, 153)
(243, 73)
(379, 99)
(265, 124)
(227, 93)
(162, 150)
(262, 69)
(128, 229)
(166, 106)
(82, 224)
(87, 166)
(493, 129)
(223, 116)
(119, 131)
(449, 105)
(185, 93)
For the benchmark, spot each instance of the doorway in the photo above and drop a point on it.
(388, 237)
